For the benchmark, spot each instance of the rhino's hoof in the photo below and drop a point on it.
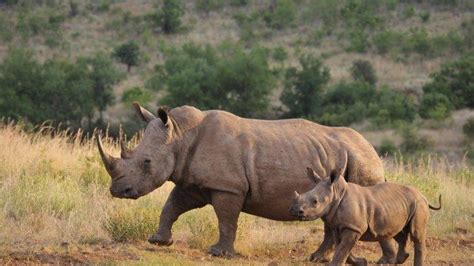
(321, 258)
(158, 240)
(401, 258)
(219, 251)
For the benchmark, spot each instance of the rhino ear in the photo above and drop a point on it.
(334, 176)
(163, 115)
(313, 175)
(144, 114)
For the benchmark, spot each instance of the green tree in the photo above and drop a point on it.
(390, 108)
(455, 80)
(103, 76)
(127, 53)
(435, 106)
(136, 94)
(58, 91)
(169, 16)
(363, 70)
(281, 14)
(347, 103)
(304, 87)
(227, 78)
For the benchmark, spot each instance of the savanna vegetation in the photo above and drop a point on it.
(400, 72)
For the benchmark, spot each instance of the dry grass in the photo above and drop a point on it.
(54, 190)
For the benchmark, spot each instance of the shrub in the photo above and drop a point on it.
(387, 148)
(209, 5)
(425, 16)
(281, 14)
(390, 108)
(239, 2)
(303, 89)
(455, 80)
(387, 40)
(468, 129)
(358, 41)
(435, 106)
(169, 16)
(363, 70)
(419, 42)
(412, 142)
(409, 12)
(127, 53)
(279, 54)
(136, 94)
(227, 78)
(346, 103)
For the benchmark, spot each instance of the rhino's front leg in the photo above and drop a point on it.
(178, 202)
(227, 207)
(322, 254)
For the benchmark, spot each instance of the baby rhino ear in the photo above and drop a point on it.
(163, 115)
(313, 175)
(334, 176)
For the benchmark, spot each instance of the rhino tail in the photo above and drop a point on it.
(436, 208)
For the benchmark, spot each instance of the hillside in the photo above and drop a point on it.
(404, 41)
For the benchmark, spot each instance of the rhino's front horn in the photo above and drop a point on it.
(108, 160)
(296, 195)
(124, 151)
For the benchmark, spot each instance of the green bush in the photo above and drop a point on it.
(169, 16)
(281, 14)
(425, 16)
(227, 78)
(358, 41)
(209, 5)
(346, 103)
(239, 2)
(363, 70)
(412, 142)
(387, 148)
(409, 12)
(455, 80)
(418, 41)
(303, 88)
(385, 41)
(136, 94)
(468, 129)
(435, 106)
(279, 54)
(390, 108)
(127, 53)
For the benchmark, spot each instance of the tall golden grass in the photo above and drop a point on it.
(54, 189)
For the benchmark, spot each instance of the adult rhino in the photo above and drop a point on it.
(236, 165)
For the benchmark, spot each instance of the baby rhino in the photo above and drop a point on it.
(382, 213)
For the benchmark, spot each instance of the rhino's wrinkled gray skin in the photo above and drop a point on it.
(387, 213)
(234, 164)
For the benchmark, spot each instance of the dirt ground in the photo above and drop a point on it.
(457, 249)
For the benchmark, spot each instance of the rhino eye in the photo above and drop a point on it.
(147, 161)
(315, 201)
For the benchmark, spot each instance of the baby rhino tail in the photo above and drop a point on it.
(436, 208)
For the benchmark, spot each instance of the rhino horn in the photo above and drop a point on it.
(296, 195)
(124, 151)
(108, 160)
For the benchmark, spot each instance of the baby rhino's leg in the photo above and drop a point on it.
(345, 242)
(356, 261)
(402, 239)
(389, 250)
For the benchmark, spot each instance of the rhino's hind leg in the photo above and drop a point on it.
(227, 207)
(178, 202)
(322, 254)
